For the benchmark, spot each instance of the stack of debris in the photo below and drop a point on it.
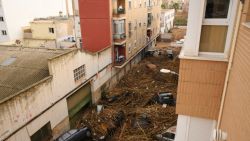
(129, 113)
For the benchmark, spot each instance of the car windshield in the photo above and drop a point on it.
(168, 135)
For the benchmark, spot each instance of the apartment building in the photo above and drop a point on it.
(52, 32)
(127, 26)
(15, 14)
(213, 89)
(167, 20)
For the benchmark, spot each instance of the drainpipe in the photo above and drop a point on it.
(219, 135)
(67, 8)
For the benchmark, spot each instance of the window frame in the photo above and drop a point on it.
(79, 73)
(217, 21)
(4, 32)
(2, 19)
(51, 30)
(229, 22)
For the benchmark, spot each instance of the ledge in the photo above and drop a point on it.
(204, 57)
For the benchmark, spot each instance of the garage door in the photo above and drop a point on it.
(77, 102)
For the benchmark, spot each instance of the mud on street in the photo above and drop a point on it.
(130, 111)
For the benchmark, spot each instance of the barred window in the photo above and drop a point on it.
(79, 73)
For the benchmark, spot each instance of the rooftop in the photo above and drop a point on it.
(22, 67)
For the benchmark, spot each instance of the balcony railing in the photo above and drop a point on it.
(119, 38)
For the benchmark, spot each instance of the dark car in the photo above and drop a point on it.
(83, 134)
(169, 135)
(166, 98)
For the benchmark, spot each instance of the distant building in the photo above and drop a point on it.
(54, 32)
(15, 14)
(167, 20)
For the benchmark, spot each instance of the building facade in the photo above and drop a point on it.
(167, 20)
(15, 14)
(209, 103)
(53, 32)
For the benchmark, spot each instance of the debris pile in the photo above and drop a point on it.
(129, 113)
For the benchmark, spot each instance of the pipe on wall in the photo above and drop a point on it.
(229, 67)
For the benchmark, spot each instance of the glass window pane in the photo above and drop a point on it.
(213, 38)
(217, 8)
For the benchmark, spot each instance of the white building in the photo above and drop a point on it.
(167, 20)
(15, 14)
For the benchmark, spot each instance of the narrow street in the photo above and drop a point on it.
(131, 111)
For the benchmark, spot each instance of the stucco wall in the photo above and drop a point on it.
(236, 111)
(200, 88)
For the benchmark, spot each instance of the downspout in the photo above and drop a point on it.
(229, 67)
(67, 8)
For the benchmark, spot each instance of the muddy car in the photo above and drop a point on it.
(169, 135)
(166, 98)
(83, 134)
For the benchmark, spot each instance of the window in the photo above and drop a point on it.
(215, 29)
(119, 29)
(51, 30)
(43, 134)
(217, 8)
(4, 32)
(1, 19)
(130, 29)
(130, 4)
(79, 73)
(213, 38)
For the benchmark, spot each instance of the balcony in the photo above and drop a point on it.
(149, 4)
(119, 39)
(119, 9)
(119, 34)
(119, 54)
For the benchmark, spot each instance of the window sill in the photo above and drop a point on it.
(246, 24)
(205, 57)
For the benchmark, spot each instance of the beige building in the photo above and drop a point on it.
(54, 32)
(213, 90)
(136, 25)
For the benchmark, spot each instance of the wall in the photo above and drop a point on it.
(21, 109)
(40, 29)
(200, 88)
(137, 15)
(39, 43)
(95, 24)
(236, 112)
(64, 29)
(167, 20)
(19, 13)
(194, 129)
(3, 26)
